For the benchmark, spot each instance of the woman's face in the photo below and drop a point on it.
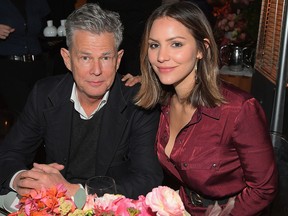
(173, 53)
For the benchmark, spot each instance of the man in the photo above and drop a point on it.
(87, 121)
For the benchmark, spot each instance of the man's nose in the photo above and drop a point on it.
(96, 69)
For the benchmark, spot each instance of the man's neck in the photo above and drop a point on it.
(89, 105)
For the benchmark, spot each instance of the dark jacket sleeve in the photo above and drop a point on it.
(19, 147)
(144, 171)
(135, 165)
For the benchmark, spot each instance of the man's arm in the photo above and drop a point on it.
(18, 149)
(144, 170)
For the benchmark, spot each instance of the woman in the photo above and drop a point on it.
(212, 137)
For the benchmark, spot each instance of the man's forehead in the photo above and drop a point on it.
(89, 43)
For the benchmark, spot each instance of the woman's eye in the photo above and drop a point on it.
(177, 44)
(153, 45)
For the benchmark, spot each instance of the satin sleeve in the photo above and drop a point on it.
(254, 147)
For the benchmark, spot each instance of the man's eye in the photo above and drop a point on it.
(85, 58)
(105, 58)
(153, 45)
(177, 44)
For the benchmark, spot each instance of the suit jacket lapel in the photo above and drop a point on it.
(59, 118)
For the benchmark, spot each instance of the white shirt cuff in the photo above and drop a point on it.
(12, 179)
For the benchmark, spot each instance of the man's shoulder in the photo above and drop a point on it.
(52, 81)
(59, 86)
(128, 92)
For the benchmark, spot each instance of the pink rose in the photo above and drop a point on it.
(123, 206)
(107, 201)
(143, 207)
(165, 201)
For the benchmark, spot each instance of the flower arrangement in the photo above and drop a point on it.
(237, 21)
(161, 201)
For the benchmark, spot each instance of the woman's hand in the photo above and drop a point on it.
(5, 31)
(131, 80)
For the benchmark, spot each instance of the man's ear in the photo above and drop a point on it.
(119, 57)
(66, 57)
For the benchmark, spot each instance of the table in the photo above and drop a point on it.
(242, 79)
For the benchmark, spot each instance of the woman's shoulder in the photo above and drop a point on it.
(234, 95)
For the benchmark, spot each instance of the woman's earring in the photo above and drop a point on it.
(196, 74)
(196, 79)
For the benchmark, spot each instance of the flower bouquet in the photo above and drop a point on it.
(161, 201)
(236, 21)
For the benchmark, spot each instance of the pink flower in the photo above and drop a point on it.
(89, 202)
(162, 201)
(107, 202)
(44, 201)
(125, 205)
(165, 201)
(143, 207)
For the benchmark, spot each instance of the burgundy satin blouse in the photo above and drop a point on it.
(223, 151)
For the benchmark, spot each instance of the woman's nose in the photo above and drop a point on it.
(163, 55)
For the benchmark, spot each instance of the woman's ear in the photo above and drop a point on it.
(206, 43)
(66, 57)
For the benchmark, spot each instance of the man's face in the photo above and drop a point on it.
(93, 60)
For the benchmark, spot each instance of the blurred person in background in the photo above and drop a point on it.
(22, 62)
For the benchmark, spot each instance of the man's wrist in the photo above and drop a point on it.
(72, 189)
(13, 178)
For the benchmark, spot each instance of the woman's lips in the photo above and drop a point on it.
(165, 69)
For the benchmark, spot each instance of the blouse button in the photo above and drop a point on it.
(165, 138)
(185, 164)
(214, 165)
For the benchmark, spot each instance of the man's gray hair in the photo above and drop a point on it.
(90, 17)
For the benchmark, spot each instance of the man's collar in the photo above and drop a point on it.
(78, 107)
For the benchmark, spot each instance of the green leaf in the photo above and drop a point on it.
(80, 198)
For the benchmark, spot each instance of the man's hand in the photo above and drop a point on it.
(131, 80)
(42, 175)
(5, 31)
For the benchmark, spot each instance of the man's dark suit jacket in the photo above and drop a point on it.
(125, 147)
